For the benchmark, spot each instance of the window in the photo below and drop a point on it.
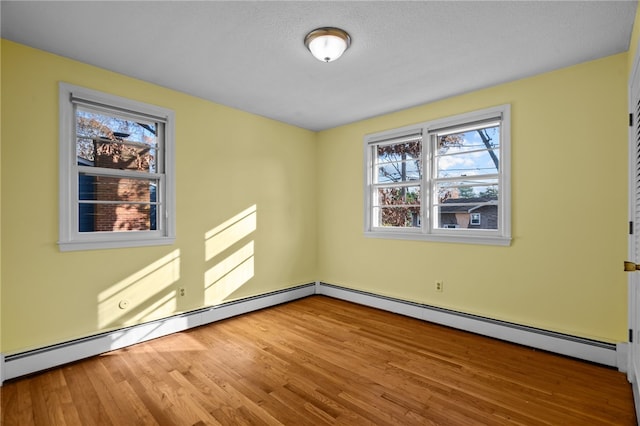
(443, 180)
(116, 172)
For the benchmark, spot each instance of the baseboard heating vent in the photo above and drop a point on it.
(564, 344)
(28, 362)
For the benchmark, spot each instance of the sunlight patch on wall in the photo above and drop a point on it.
(144, 295)
(228, 275)
(231, 271)
(230, 232)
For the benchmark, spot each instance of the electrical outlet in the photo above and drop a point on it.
(440, 286)
(182, 291)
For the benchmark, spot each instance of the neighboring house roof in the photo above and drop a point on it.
(449, 206)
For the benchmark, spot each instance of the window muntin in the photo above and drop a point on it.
(116, 171)
(459, 172)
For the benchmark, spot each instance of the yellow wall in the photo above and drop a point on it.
(227, 162)
(304, 193)
(563, 270)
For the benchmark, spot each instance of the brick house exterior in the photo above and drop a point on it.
(121, 155)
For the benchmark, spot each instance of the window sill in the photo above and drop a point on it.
(442, 238)
(120, 243)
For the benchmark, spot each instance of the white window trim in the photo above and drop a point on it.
(500, 237)
(69, 237)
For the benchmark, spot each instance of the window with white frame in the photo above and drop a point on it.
(116, 171)
(443, 180)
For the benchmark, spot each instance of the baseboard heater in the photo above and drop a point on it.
(28, 362)
(585, 349)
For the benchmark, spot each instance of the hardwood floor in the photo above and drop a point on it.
(322, 361)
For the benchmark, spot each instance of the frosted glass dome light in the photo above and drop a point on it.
(327, 44)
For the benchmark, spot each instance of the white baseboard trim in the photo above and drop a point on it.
(21, 364)
(585, 349)
(24, 363)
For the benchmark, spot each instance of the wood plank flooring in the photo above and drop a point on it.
(321, 361)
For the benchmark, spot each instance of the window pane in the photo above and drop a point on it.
(404, 171)
(399, 217)
(468, 216)
(469, 153)
(121, 204)
(465, 190)
(467, 204)
(108, 141)
(117, 217)
(399, 196)
(398, 162)
(105, 188)
(398, 206)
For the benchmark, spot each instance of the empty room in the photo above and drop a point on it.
(310, 212)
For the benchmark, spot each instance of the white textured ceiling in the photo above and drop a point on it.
(251, 56)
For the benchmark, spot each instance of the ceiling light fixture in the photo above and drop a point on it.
(327, 44)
